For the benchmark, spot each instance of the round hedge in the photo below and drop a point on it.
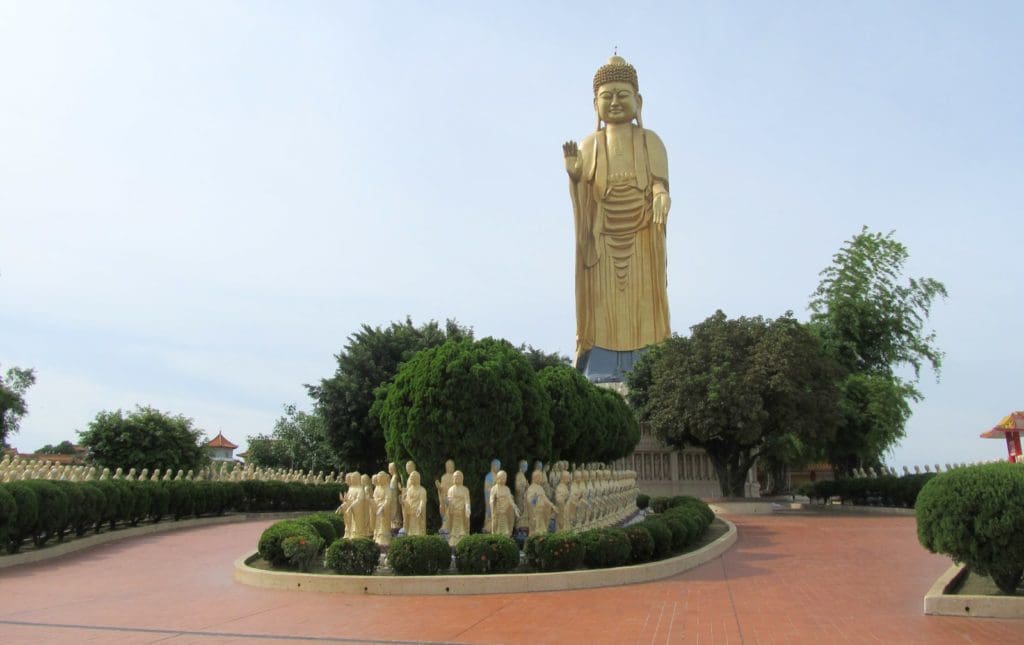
(354, 557)
(335, 520)
(484, 553)
(561, 551)
(641, 543)
(606, 548)
(976, 516)
(25, 519)
(270, 548)
(662, 535)
(419, 555)
(323, 528)
(8, 514)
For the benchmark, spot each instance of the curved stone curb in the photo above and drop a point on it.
(76, 544)
(940, 602)
(484, 584)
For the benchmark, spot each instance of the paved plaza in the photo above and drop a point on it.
(791, 578)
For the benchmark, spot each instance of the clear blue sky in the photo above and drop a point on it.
(201, 200)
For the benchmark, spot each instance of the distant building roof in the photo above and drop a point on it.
(220, 442)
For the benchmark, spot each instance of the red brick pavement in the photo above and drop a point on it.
(789, 579)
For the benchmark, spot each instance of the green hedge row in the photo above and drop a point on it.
(886, 490)
(41, 510)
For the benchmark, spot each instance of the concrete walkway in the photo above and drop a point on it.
(791, 578)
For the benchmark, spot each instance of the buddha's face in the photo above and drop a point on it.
(409, 467)
(501, 477)
(457, 478)
(414, 478)
(449, 466)
(617, 102)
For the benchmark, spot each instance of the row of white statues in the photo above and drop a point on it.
(17, 468)
(871, 473)
(588, 497)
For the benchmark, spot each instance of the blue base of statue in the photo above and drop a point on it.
(602, 365)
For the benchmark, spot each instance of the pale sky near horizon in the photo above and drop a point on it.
(200, 201)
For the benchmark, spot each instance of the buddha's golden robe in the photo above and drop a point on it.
(621, 283)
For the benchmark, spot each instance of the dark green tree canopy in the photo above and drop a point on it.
(12, 400)
(369, 360)
(298, 440)
(63, 448)
(873, 323)
(737, 388)
(144, 438)
(470, 401)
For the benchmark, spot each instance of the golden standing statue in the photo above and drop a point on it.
(618, 181)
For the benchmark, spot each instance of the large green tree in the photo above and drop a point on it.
(12, 400)
(298, 440)
(591, 423)
(369, 360)
(873, 321)
(144, 438)
(470, 401)
(737, 388)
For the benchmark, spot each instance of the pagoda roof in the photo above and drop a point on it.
(1013, 422)
(220, 442)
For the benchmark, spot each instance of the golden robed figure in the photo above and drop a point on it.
(618, 181)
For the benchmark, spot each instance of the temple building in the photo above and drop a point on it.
(221, 449)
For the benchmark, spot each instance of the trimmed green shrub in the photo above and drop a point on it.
(355, 557)
(484, 553)
(679, 530)
(643, 501)
(136, 500)
(335, 520)
(276, 496)
(694, 522)
(270, 547)
(182, 498)
(76, 507)
(605, 548)
(113, 507)
(25, 519)
(662, 536)
(8, 514)
(91, 510)
(561, 551)
(641, 544)
(159, 499)
(976, 516)
(53, 510)
(419, 555)
(323, 527)
(301, 551)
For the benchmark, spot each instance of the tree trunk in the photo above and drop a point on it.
(732, 472)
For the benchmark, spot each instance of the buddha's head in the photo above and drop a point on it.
(414, 478)
(495, 465)
(410, 466)
(617, 92)
(392, 468)
(457, 477)
(523, 465)
(538, 477)
(501, 477)
(449, 466)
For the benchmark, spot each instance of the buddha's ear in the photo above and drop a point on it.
(639, 109)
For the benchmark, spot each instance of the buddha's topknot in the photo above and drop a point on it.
(616, 70)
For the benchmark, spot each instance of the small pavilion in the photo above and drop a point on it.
(1009, 427)
(221, 449)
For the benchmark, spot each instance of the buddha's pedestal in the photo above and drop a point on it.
(663, 471)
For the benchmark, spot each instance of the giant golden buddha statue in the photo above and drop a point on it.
(618, 180)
